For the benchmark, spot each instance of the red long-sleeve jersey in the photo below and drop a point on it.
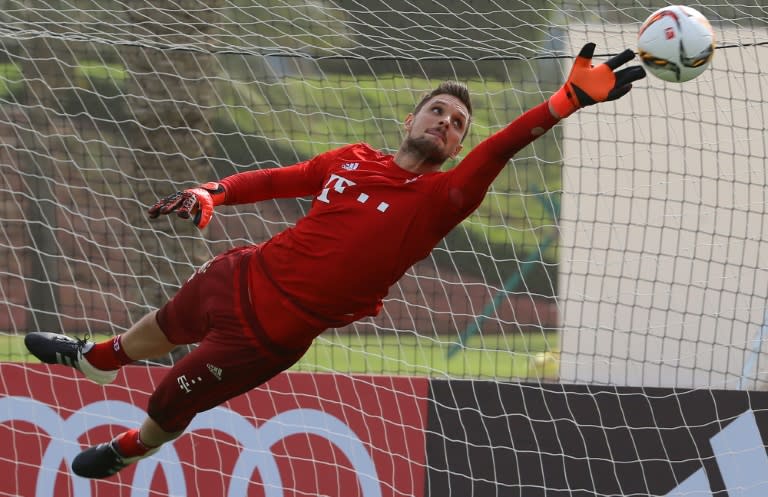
(370, 220)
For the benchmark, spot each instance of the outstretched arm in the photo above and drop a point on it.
(586, 85)
(471, 178)
(297, 180)
(197, 203)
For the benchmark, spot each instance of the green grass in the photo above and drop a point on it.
(499, 357)
(524, 356)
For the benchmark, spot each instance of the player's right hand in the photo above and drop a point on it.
(588, 84)
(197, 203)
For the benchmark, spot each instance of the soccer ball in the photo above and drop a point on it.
(676, 43)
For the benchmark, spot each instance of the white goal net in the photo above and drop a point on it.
(623, 250)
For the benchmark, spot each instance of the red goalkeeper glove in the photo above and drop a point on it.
(588, 85)
(197, 203)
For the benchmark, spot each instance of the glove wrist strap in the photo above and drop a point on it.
(560, 105)
(217, 192)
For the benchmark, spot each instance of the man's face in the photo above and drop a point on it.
(436, 130)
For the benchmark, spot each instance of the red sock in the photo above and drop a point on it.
(108, 355)
(130, 445)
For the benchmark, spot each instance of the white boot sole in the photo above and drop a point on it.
(94, 374)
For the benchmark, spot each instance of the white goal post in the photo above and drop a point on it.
(663, 215)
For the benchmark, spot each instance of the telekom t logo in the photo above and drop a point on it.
(338, 184)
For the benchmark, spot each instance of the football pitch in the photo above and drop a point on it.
(524, 356)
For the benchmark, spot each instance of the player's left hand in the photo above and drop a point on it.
(197, 203)
(588, 84)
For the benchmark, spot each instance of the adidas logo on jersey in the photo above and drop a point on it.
(411, 180)
(350, 166)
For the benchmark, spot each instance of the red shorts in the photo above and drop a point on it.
(234, 354)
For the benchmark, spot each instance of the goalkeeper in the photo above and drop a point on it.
(255, 310)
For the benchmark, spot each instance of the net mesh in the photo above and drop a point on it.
(626, 247)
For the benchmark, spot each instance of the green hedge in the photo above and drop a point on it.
(271, 122)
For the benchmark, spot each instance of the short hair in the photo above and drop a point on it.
(453, 88)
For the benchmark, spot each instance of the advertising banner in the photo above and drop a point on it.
(300, 434)
(537, 440)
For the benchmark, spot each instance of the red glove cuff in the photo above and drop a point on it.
(216, 191)
(563, 103)
(204, 207)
